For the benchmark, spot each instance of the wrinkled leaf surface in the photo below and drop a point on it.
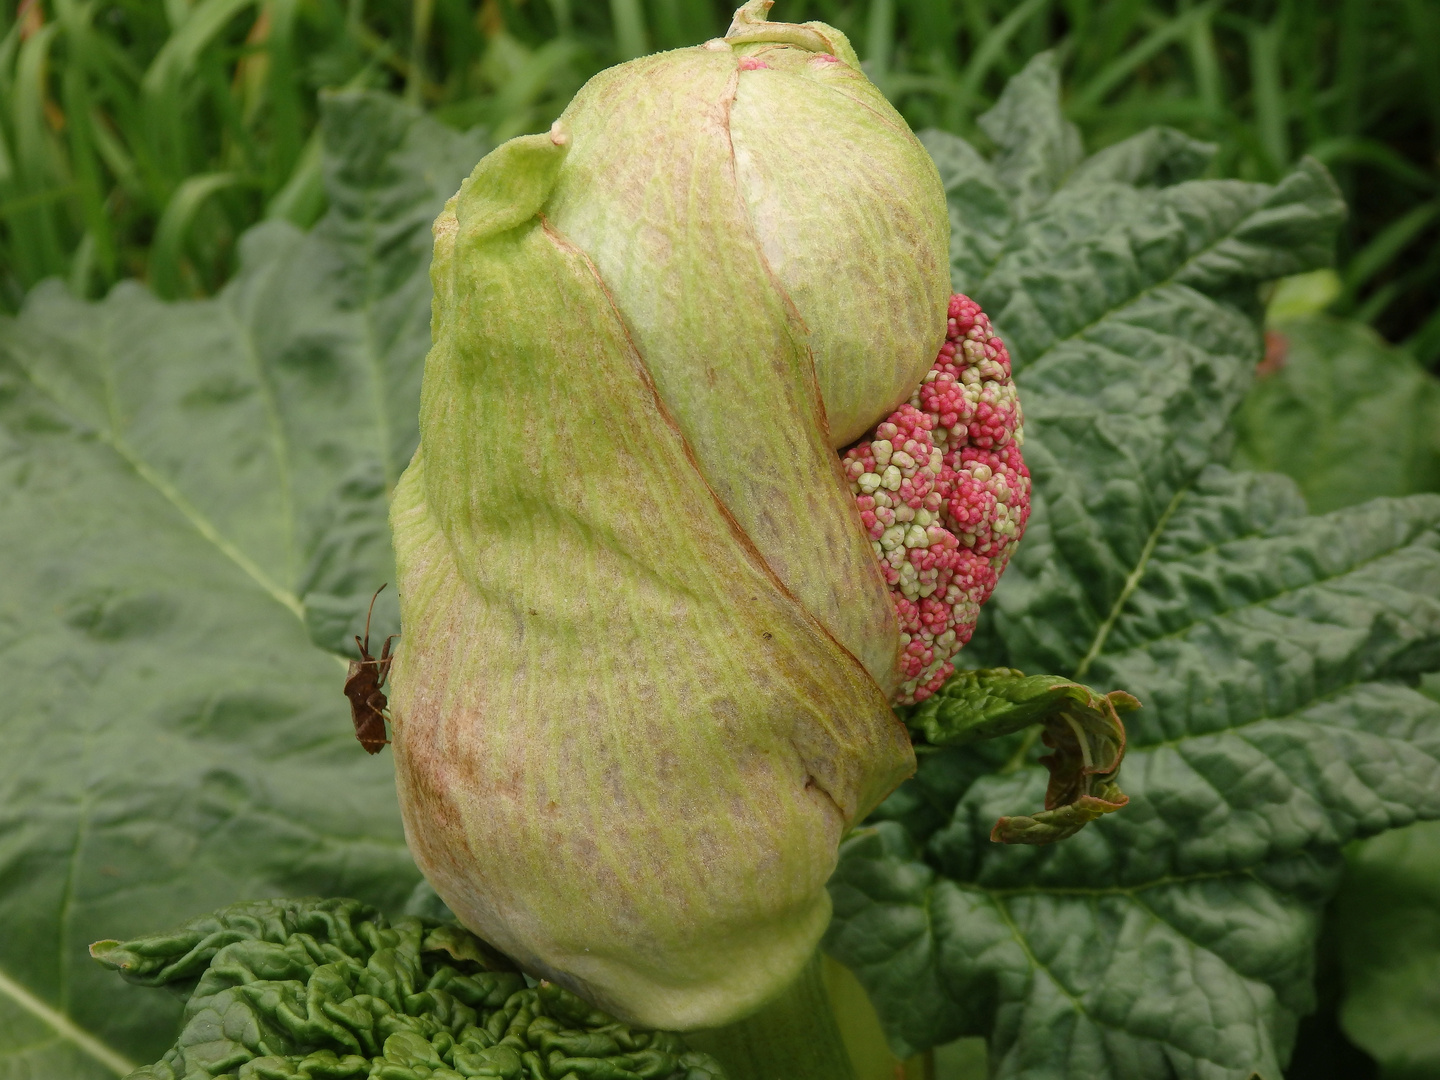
(1274, 653)
(188, 493)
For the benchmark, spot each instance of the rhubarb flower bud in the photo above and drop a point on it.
(649, 650)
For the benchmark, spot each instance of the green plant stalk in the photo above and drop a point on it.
(794, 1037)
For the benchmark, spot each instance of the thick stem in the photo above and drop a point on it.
(862, 1033)
(795, 1037)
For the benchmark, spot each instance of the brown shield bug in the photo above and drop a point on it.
(363, 684)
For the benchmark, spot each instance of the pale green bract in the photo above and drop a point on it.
(643, 688)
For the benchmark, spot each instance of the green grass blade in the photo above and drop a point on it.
(421, 13)
(82, 265)
(1377, 302)
(992, 46)
(1351, 65)
(167, 252)
(9, 49)
(116, 156)
(177, 12)
(560, 9)
(513, 111)
(1205, 64)
(177, 58)
(880, 40)
(302, 199)
(282, 89)
(44, 197)
(1089, 97)
(166, 134)
(1106, 35)
(1424, 38)
(1267, 94)
(33, 151)
(1387, 244)
(38, 164)
(931, 25)
(1352, 149)
(84, 158)
(631, 40)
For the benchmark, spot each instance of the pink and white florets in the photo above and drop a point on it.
(943, 491)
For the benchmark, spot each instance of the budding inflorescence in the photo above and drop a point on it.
(944, 494)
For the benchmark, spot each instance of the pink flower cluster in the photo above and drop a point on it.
(944, 493)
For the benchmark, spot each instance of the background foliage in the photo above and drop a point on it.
(141, 139)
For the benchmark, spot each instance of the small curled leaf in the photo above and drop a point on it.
(1082, 728)
(1064, 821)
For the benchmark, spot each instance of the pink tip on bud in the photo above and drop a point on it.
(749, 63)
(944, 494)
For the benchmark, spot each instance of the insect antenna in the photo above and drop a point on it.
(365, 645)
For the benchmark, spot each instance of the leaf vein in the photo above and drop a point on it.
(66, 1028)
(1226, 615)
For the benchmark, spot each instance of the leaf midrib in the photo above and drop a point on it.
(1018, 760)
(1132, 582)
(66, 1028)
(197, 520)
(1023, 943)
(280, 444)
(1078, 1005)
(1229, 614)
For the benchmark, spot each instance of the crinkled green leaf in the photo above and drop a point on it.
(331, 988)
(1038, 147)
(1271, 656)
(1129, 314)
(1388, 915)
(178, 485)
(1342, 413)
(1275, 653)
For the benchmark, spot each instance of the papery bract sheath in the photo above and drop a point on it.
(649, 654)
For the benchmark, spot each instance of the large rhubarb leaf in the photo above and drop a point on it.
(1349, 417)
(1274, 653)
(184, 489)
